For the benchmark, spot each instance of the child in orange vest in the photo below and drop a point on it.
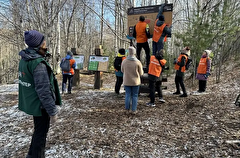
(203, 70)
(180, 67)
(155, 68)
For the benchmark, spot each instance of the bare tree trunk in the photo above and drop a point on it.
(58, 43)
(101, 41)
(115, 27)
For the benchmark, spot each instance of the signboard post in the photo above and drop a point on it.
(76, 77)
(99, 64)
(150, 13)
(79, 61)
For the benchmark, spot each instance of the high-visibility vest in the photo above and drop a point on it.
(158, 30)
(177, 67)
(155, 68)
(141, 35)
(202, 66)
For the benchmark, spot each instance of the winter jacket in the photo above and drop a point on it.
(165, 31)
(36, 84)
(132, 70)
(180, 64)
(72, 65)
(141, 32)
(117, 65)
(158, 31)
(203, 68)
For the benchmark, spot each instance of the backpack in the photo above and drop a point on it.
(117, 63)
(189, 63)
(65, 65)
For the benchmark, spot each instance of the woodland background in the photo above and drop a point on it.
(83, 24)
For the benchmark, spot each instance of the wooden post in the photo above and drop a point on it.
(98, 75)
(76, 76)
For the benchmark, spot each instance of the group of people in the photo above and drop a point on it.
(129, 70)
(39, 92)
(141, 33)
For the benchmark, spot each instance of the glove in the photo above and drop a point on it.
(206, 75)
(175, 61)
(128, 37)
(53, 119)
(160, 57)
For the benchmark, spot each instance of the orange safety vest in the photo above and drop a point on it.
(158, 30)
(155, 68)
(202, 66)
(141, 35)
(177, 67)
(72, 61)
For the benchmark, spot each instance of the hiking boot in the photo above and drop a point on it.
(69, 92)
(151, 104)
(161, 100)
(176, 93)
(183, 95)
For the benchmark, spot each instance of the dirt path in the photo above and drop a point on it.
(93, 123)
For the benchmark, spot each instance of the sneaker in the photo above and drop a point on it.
(176, 93)
(151, 104)
(126, 112)
(161, 100)
(134, 112)
(183, 95)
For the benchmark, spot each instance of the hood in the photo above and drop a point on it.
(160, 23)
(131, 58)
(29, 54)
(68, 57)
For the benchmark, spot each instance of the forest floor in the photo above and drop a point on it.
(93, 123)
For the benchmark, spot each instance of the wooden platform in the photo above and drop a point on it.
(144, 83)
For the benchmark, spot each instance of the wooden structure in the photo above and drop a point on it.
(76, 76)
(98, 81)
(150, 13)
(144, 87)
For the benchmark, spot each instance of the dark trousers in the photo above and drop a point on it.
(145, 46)
(157, 46)
(152, 90)
(66, 78)
(202, 85)
(118, 84)
(38, 143)
(179, 81)
(155, 85)
(159, 88)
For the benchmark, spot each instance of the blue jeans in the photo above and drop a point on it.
(131, 95)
